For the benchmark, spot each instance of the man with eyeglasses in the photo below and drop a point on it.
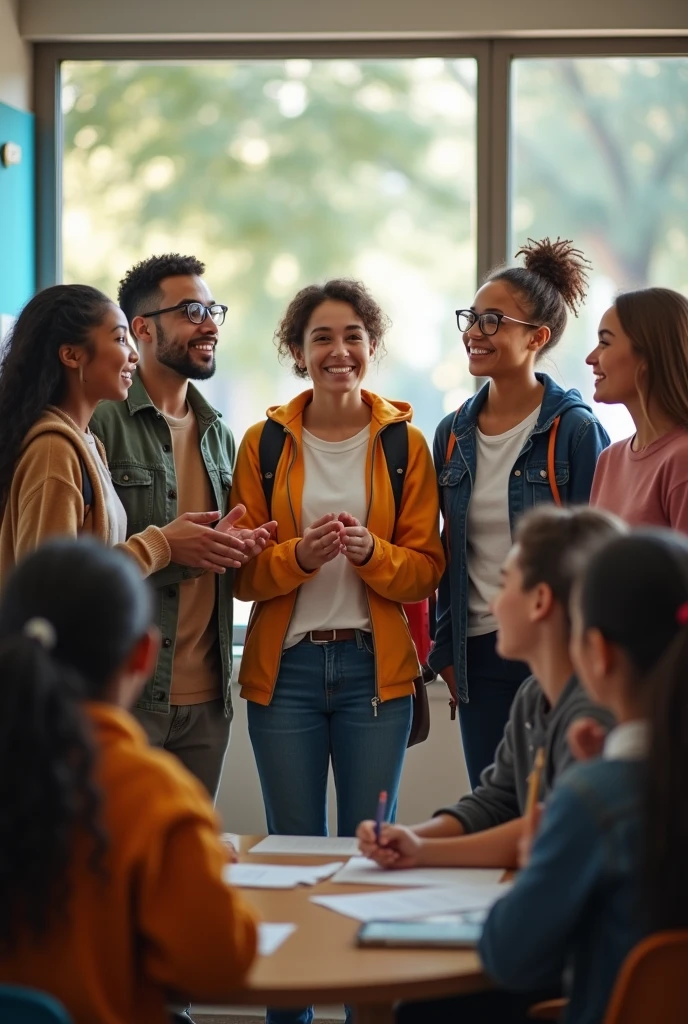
(170, 453)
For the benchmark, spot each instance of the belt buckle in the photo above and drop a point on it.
(332, 631)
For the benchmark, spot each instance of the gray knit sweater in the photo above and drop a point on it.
(502, 793)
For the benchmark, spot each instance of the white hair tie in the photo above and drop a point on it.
(42, 631)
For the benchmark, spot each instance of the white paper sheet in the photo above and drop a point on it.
(278, 876)
(271, 936)
(406, 904)
(361, 871)
(321, 846)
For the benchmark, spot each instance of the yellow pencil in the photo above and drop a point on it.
(534, 781)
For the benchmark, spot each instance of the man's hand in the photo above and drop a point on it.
(586, 739)
(358, 541)
(321, 542)
(193, 542)
(399, 847)
(254, 540)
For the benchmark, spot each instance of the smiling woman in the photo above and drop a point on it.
(329, 663)
(520, 441)
(641, 361)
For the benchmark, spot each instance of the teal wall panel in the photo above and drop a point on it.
(17, 213)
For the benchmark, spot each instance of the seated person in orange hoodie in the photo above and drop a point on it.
(111, 877)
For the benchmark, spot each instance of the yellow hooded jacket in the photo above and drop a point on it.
(405, 571)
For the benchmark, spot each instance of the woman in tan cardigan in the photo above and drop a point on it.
(69, 350)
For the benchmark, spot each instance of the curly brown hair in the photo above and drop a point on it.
(554, 277)
(289, 333)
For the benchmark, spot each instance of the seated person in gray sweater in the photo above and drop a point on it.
(483, 829)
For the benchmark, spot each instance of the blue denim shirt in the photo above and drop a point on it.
(576, 911)
(580, 439)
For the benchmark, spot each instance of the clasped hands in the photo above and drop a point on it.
(331, 536)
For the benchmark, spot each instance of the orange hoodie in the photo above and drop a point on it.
(407, 570)
(163, 919)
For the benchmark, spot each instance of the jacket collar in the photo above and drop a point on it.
(384, 411)
(138, 399)
(555, 401)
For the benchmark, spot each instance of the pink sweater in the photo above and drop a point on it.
(646, 488)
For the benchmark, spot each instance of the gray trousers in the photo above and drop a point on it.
(198, 734)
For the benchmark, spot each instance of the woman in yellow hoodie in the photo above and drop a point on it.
(69, 350)
(329, 663)
(111, 877)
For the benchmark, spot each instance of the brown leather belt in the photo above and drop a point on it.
(328, 636)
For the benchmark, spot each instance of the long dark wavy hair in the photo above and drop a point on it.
(635, 592)
(31, 374)
(69, 616)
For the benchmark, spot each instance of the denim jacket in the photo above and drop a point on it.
(138, 445)
(576, 911)
(579, 441)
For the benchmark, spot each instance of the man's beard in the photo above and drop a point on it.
(178, 359)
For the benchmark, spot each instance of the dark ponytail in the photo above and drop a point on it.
(69, 616)
(31, 373)
(635, 592)
(554, 278)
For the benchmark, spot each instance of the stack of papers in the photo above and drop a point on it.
(320, 846)
(361, 871)
(278, 876)
(406, 904)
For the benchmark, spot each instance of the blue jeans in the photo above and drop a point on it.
(492, 686)
(323, 708)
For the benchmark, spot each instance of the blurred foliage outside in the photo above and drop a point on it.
(281, 173)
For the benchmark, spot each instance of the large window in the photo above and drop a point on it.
(278, 174)
(600, 155)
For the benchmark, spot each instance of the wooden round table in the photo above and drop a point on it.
(320, 961)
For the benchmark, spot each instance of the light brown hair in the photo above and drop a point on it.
(555, 544)
(656, 322)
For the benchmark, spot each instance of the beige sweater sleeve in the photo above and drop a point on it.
(50, 504)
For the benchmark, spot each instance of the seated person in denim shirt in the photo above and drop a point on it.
(483, 829)
(608, 866)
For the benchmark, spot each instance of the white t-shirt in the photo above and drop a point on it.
(334, 481)
(116, 513)
(488, 533)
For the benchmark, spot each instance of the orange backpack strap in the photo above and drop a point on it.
(451, 444)
(551, 470)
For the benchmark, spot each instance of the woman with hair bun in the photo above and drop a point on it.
(520, 441)
(641, 361)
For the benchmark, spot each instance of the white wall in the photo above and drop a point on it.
(434, 773)
(15, 63)
(203, 19)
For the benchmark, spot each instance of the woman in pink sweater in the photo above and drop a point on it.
(641, 361)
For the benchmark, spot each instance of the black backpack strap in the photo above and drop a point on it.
(86, 485)
(395, 446)
(270, 448)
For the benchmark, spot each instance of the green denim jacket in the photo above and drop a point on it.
(138, 444)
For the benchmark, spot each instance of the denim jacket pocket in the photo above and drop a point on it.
(134, 484)
(537, 475)
(449, 479)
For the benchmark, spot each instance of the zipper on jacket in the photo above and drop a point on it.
(289, 469)
(376, 703)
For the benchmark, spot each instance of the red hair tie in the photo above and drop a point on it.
(682, 614)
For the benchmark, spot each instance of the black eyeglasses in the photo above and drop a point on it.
(488, 323)
(196, 312)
